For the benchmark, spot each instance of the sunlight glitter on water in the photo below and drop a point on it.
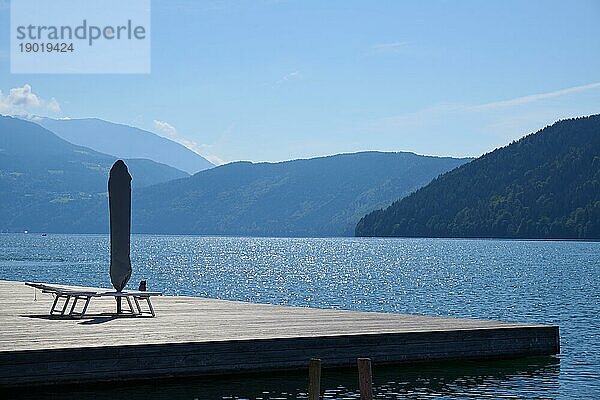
(524, 281)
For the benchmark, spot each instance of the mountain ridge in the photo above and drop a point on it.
(321, 196)
(317, 196)
(43, 176)
(125, 141)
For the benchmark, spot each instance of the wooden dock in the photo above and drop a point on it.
(198, 336)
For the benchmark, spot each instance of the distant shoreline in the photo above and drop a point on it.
(315, 237)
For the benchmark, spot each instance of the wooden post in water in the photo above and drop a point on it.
(365, 379)
(314, 379)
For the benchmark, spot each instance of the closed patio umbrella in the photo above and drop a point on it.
(119, 197)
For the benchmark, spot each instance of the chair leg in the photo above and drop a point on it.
(137, 305)
(130, 305)
(85, 306)
(53, 309)
(150, 305)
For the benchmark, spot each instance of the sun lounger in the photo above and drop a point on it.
(75, 294)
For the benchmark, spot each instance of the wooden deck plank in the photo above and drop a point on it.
(192, 336)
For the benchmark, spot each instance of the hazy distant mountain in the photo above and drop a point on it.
(323, 196)
(546, 185)
(47, 183)
(126, 142)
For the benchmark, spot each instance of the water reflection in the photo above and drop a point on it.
(532, 377)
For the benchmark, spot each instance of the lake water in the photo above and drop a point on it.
(549, 282)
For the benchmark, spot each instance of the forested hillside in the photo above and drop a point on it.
(324, 196)
(49, 184)
(546, 185)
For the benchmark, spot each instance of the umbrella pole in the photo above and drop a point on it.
(118, 304)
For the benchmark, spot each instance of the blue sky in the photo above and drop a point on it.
(269, 80)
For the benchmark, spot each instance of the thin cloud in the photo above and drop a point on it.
(288, 77)
(393, 46)
(169, 131)
(472, 129)
(517, 101)
(165, 128)
(214, 159)
(495, 105)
